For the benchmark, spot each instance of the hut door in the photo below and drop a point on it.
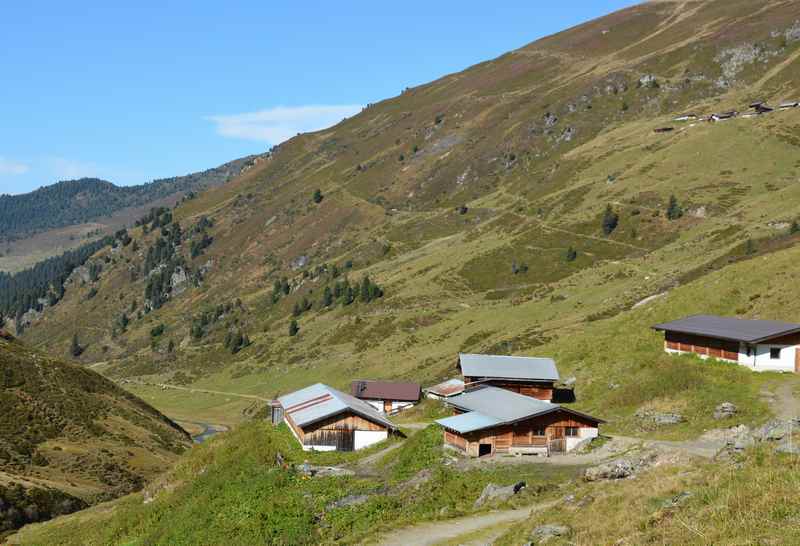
(556, 441)
(484, 450)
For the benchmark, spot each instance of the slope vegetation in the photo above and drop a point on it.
(53, 218)
(69, 438)
(521, 206)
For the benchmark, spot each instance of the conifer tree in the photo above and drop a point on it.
(293, 328)
(674, 210)
(75, 349)
(610, 220)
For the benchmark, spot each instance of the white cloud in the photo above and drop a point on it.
(281, 123)
(11, 167)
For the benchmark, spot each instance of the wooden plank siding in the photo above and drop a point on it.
(520, 434)
(338, 430)
(701, 345)
(534, 389)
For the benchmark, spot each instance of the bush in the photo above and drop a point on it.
(610, 220)
(571, 254)
(317, 197)
(294, 328)
(674, 210)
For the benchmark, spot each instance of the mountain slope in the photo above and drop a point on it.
(69, 437)
(52, 218)
(477, 204)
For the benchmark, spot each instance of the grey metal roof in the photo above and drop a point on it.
(320, 401)
(491, 406)
(508, 367)
(469, 422)
(728, 328)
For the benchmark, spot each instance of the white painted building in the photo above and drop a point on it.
(760, 345)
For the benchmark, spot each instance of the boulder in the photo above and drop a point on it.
(324, 471)
(773, 431)
(614, 470)
(544, 533)
(658, 418)
(725, 410)
(677, 500)
(349, 500)
(493, 492)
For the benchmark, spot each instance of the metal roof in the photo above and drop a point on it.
(488, 407)
(447, 388)
(732, 329)
(320, 401)
(508, 367)
(469, 422)
(385, 390)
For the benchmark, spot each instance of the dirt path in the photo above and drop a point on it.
(202, 391)
(427, 534)
(785, 405)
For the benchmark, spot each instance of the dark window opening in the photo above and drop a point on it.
(571, 431)
(538, 432)
(775, 353)
(484, 450)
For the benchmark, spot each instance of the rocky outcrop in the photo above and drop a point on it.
(658, 418)
(545, 533)
(726, 410)
(496, 493)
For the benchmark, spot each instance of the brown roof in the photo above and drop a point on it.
(385, 390)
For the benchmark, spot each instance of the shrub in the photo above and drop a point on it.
(293, 328)
(571, 254)
(610, 220)
(674, 210)
(317, 197)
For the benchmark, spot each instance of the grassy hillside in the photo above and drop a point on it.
(69, 437)
(476, 203)
(231, 490)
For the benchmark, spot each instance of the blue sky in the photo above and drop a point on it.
(132, 91)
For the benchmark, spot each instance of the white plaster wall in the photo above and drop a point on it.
(377, 404)
(319, 448)
(364, 438)
(785, 363)
(399, 406)
(588, 432)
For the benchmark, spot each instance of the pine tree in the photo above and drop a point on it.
(794, 228)
(571, 255)
(674, 210)
(327, 297)
(366, 292)
(293, 328)
(317, 197)
(610, 220)
(75, 350)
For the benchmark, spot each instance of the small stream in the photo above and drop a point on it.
(209, 430)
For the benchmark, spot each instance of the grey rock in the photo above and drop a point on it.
(725, 410)
(615, 470)
(324, 471)
(299, 262)
(567, 135)
(493, 492)
(677, 500)
(648, 80)
(792, 34)
(658, 418)
(773, 431)
(349, 500)
(570, 381)
(550, 119)
(544, 533)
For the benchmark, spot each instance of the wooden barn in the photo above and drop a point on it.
(325, 419)
(490, 420)
(390, 397)
(761, 345)
(530, 376)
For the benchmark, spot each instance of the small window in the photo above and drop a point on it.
(539, 432)
(775, 353)
(571, 431)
